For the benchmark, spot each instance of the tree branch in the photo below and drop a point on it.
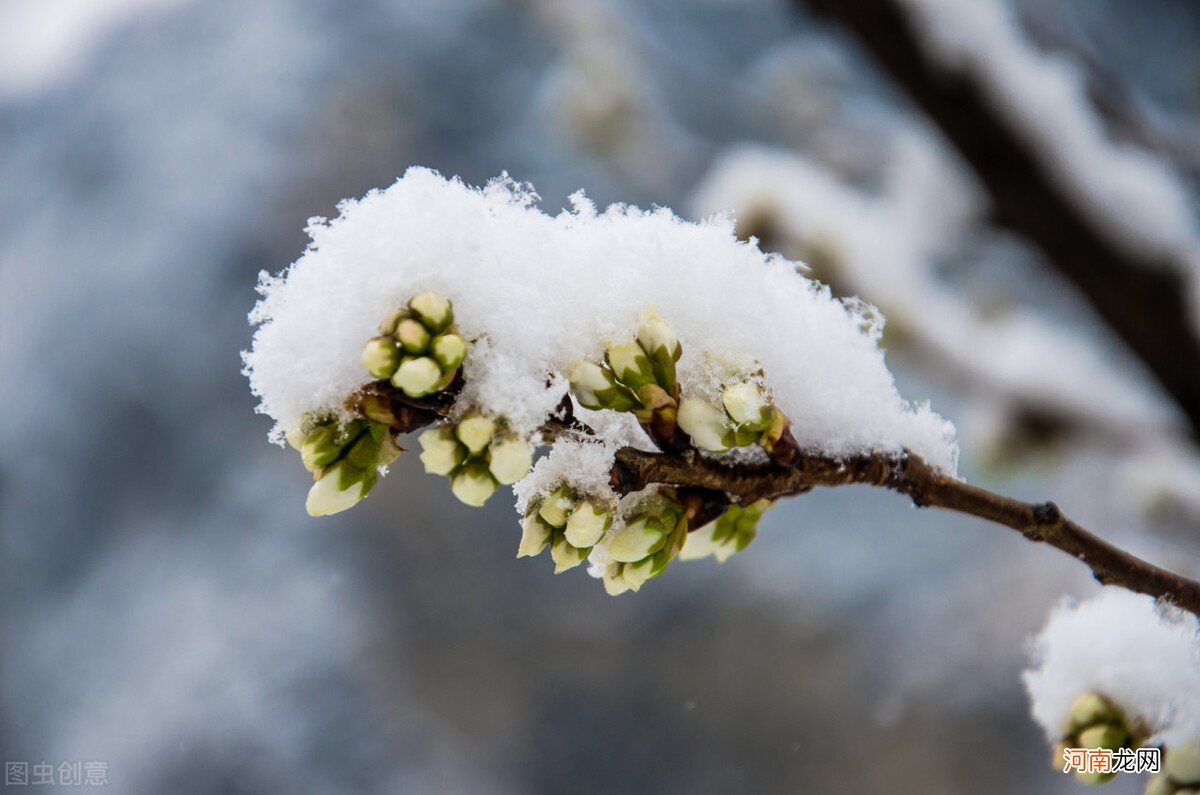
(1143, 301)
(908, 474)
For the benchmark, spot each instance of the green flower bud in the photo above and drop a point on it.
(432, 309)
(663, 349)
(706, 424)
(412, 336)
(449, 350)
(638, 574)
(1183, 763)
(417, 377)
(441, 452)
(535, 535)
(340, 487)
(295, 437)
(320, 447)
(387, 327)
(1103, 735)
(565, 555)
(475, 431)
(596, 388)
(639, 538)
(362, 452)
(614, 579)
(1090, 708)
(556, 506)
(389, 451)
(510, 459)
(748, 406)
(473, 484)
(630, 365)
(381, 357)
(587, 524)
(1160, 784)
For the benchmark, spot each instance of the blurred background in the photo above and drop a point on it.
(166, 605)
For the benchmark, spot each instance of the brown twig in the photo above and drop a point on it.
(927, 487)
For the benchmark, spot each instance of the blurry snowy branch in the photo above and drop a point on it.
(1021, 122)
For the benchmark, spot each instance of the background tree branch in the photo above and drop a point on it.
(1143, 301)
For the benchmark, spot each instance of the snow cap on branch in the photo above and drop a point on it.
(533, 293)
(1142, 658)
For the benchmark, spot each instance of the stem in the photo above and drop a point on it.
(908, 474)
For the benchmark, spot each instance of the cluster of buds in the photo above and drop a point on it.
(566, 522)
(637, 377)
(418, 349)
(477, 454)
(1181, 772)
(745, 416)
(731, 532)
(646, 542)
(1094, 722)
(344, 459)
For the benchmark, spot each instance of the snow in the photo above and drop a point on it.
(1134, 196)
(535, 292)
(1143, 658)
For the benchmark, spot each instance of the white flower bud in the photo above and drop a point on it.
(320, 448)
(700, 544)
(412, 336)
(1183, 763)
(656, 337)
(294, 437)
(441, 453)
(475, 431)
(705, 423)
(381, 357)
(637, 539)
(629, 364)
(473, 484)
(510, 459)
(338, 489)
(556, 506)
(389, 451)
(1090, 708)
(614, 579)
(587, 524)
(1103, 735)
(588, 378)
(535, 535)
(637, 574)
(449, 350)
(387, 327)
(432, 309)
(565, 555)
(747, 405)
(417, 377)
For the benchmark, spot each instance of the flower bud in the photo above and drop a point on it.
(449, 350)
(1183, 763)
(565, 555)
(630, 365)
(412, 336)
(1103, 735)
(295, 437)
(596, 388)
(1090, 708)
(417, 377)
(387, 326)
(535, 535)
(432, 309)
(638, 574)
(663, 349)
(556, 506)
(389, 451)
(706, 424)
(320, 447)
(509, 459)
(441, 452)
(639, 538)
(748, 406)
(614, 579)
(473, 484)
(475, 431)
(587, 524)
(381, 357)
(340, 487)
